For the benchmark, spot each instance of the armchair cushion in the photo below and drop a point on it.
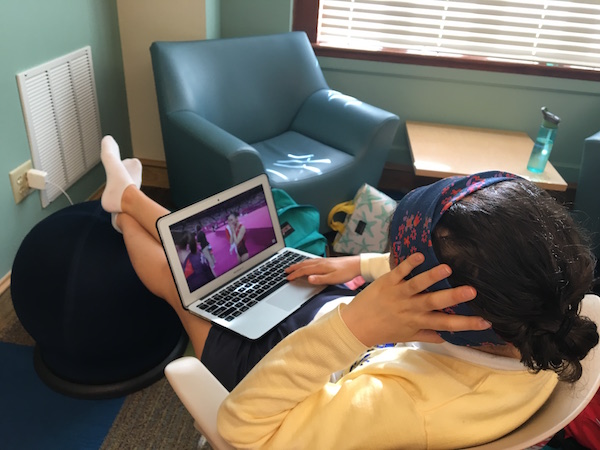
(293, 156)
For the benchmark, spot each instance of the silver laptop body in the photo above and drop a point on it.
(208, 280)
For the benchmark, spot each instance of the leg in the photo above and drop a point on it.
(150, 264)
(143, 209)
(136, 216)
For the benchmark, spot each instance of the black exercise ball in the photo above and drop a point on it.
(99, 332)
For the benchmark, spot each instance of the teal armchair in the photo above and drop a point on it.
(231, 109)
(587, 196)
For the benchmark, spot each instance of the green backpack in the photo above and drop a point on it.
(299, 224)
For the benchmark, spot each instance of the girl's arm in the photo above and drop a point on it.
(340, 269)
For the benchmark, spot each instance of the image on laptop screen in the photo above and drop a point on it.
(215, 241)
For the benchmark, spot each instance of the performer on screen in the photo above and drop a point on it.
(236, 232)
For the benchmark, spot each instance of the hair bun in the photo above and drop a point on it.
(564, 329)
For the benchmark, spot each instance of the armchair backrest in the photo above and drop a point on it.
(251, 87)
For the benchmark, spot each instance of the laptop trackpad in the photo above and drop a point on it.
(292, 295)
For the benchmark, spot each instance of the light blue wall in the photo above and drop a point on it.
(250, 18)
(453, 96)
(213, 19)
(33, 32)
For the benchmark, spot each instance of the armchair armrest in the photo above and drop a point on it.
(201, 394)
(203, 159)
(345, 123)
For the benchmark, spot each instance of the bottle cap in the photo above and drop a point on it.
(551, 120)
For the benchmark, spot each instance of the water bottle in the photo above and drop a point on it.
(544, 141)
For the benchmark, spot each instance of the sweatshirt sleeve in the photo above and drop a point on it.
(374, 265)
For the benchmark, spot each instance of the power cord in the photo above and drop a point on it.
(38, 179)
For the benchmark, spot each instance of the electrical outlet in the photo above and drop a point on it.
(18, 181)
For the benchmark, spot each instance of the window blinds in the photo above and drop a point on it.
(552, 33)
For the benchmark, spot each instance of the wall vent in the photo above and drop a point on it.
(60, 108)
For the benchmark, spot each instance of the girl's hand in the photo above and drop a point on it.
(326, 270)
(393, 309)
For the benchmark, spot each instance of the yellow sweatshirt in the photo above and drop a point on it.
(423, 396)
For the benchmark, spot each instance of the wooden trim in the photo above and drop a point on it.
(401, 178)
(5, 282)
(470, 63)
(305, 17)
(153, 163)
(155, 173)
(96, 195)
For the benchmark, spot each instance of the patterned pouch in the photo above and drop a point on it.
(365, 228)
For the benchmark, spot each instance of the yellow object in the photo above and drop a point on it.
(345, 207)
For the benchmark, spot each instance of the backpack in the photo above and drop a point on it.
(299, 224)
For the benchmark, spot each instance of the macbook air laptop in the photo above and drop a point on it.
(227, 255)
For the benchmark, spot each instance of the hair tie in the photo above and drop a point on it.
(564, 329)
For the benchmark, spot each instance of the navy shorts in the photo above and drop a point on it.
(230, 356)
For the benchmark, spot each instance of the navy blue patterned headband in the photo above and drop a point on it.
(416, 216)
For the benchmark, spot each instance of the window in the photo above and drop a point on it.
(553, 38)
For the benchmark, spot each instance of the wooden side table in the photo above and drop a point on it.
(445, 150)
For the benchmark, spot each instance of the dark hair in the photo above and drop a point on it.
(201, 238)
(187, 239)
(531, 266)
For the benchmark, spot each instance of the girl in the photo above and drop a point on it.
(460, 336)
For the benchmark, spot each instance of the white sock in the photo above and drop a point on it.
(113, 221)
(117, 176)
(134, 168)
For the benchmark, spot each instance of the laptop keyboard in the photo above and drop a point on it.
(248, 290)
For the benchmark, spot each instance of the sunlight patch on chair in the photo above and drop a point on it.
(300, 162)
(277, 174)
(349, 101)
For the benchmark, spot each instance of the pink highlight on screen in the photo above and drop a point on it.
(210, 233)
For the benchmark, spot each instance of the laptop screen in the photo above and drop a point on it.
(218, 239)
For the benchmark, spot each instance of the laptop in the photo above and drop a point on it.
(221, 250)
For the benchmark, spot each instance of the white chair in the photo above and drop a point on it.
(201, 393)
